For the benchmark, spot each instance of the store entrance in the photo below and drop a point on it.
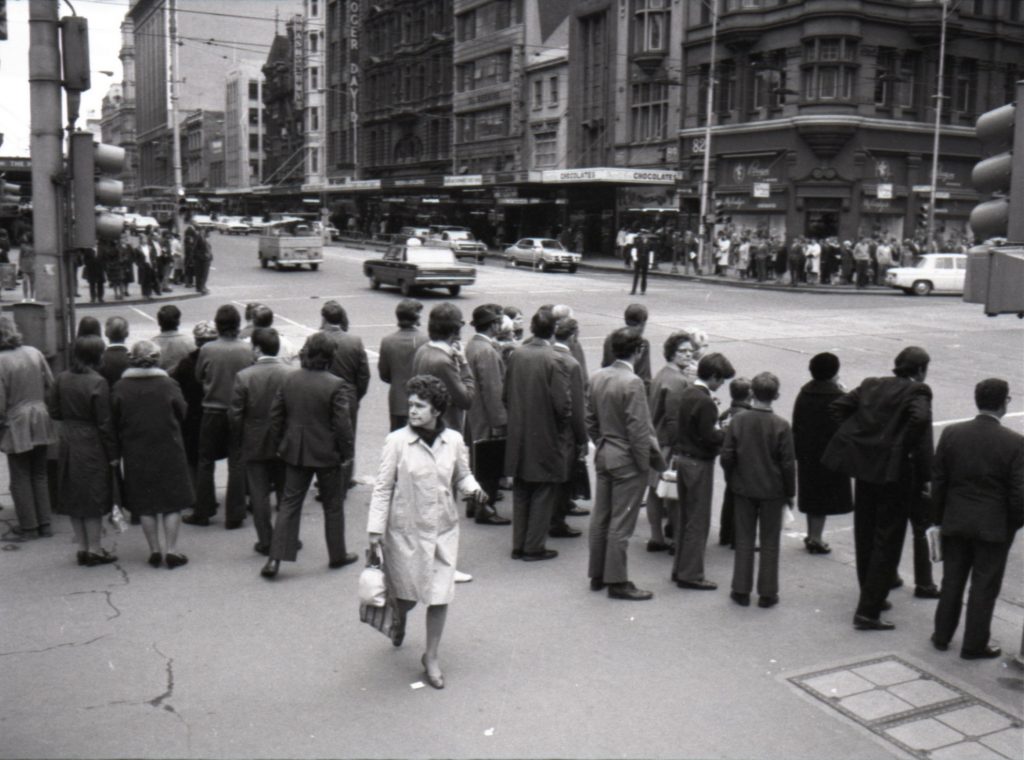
(822, 219)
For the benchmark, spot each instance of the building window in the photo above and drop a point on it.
(553, 91)
(313, 43)
(254, 90)
(254, 143)
(465, 26)
(829, 70)
(538, 93)
(314, 119)
(545, 149)
(726, 87)
(254, 116)
(1016, 10)
(314, 8)
(314, 161)
(885, 74)
(650, 26)
(961, 84)
(908, 80)
(314, 78)
(483, 125)
(649, 112)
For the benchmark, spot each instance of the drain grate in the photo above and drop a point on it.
(917, 711)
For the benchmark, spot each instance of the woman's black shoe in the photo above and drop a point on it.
(82, 556)
(175, 560)
(102, 558)
(155, 559)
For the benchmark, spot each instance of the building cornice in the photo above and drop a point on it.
(861, 122)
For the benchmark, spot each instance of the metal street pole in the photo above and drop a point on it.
(179, 225)
(705, 178)
(938, 122)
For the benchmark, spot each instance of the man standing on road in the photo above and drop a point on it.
(486, 420)
(635, 317)
(444, 358)
(249, 416)
(173, 345)
(349, 362)
(219, 363)
(978, 494)
(884, 441)
(641, 254)
(861, 261)
(114, 360)
(395, 362)
(539, 404)
(619, 424)
(697, 443)
(202, 257)
(572, 437)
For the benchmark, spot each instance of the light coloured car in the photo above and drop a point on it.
(934, 273)
(542, 254)
(238, 226)
(460, 240)
(136, 223)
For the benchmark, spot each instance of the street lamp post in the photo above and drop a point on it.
(705, 180)
(939, 96)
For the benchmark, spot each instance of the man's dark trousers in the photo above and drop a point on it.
(285, 545)
(532, 506)
(640, 273)
(985, 563)
(263, 476)
(879, 527)
(215, 443)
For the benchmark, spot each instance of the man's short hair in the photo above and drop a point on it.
(990, 394)
(715, 365)
(227, 320)
(566, 328)
(910, 361)
(444, 322)
(635, 315)
(626, 342)
(765, 386)
(408, 312)
(317, 352)
(824, 366)
(262, 316)
(333, 313)
(543, 324)
(250, 309)
(674, 341)
(168, 317)
(266, 340)
(562, 311)
(739, 389)
(116, 329)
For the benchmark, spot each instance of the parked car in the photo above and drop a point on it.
(238, 226)
(329, 229)
(136, 223)
(542, 254)
(203, 222)
(410, 265)
(413, 232)
(935, 272)
(460, 240)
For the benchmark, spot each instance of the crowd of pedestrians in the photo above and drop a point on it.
(145, 425)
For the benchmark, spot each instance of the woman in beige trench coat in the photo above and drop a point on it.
(413, 512)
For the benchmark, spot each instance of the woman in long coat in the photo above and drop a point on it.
(25, 429)
(80, 400)
(820, 491)
(148, 411)
(413, 512)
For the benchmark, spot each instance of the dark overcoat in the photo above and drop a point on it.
(820, 491)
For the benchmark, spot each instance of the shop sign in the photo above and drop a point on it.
(697, 146)
(877, 206)
(884, 191)
(464, 180)
(768, 206)
(647, 197)
(762, 190)
(515, 201)
(603, 174)
(418, 182)
(743, 170)
(503, 191)
(363, 184)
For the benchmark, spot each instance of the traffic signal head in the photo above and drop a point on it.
(93, 167)
(922, 214)
(10, 197)
(1002, 173)
(74, 48)
(720, 217)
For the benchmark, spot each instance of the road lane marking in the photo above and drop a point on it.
(140, 311)
(370, 353)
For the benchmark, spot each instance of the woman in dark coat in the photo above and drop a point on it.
(820, 491)
(148, 413)
(185, 375)
(80, 400)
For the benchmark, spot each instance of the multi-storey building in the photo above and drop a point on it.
(309, 48)
(342, 77)
(824, 111)
(117, 124)
(243, 127)
(202, 150)
(284, 142)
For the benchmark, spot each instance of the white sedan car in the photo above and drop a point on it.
(541, 253)
(935, 272)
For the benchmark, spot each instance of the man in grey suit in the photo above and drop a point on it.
(312, 428)
(572, 437)
(444, 358)
(619, 424)
(486, 419)
(350, 362)
(539, 404)
(249, 416)
(978, 497)
(395, 362)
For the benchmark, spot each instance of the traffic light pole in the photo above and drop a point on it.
(939, 96)
(1015, 224)
(705, 180)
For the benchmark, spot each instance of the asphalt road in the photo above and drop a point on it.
(213, 661)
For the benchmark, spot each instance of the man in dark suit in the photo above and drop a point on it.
(978, 496)
(486, 420)
(698, 439)
(249, 416)
(539, 404)
(573, 437)
(641, 253)
(114, 361)
(562, 311)
(350, 362)
(635, 317)
(444, 358)
(884, 441)
(395, 362)
(312, 428)
(619, 424)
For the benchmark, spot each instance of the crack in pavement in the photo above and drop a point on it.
(107, 594)
(55, 646)
(162, 700)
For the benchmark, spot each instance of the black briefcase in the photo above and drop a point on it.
(489, 458)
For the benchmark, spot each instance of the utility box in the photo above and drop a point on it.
(976, 279)
(1006, 281)
(37, 326)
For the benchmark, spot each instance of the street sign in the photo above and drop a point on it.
(922, 188)
(762, 190)
(884, 191)
(941, 195)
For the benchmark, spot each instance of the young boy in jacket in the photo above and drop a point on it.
(760, 468)
(739, 393)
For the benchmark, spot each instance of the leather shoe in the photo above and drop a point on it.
(348, 559)
(564, 531)
(628, 592)
(767, 601)
(657, 546)
(436, 681)
(516, 554)
(896, 582)
(939, 644)
(984, 654)
(81, 557)
(493, 518)
(596, 584)
(701, 585)
(197, 520)
(539, 556)
(927, 592)
(470, 509)
(270, 569)
(575, 511)
(233, 524)
(865, 623)
(743, 600)
(263, 549)
(155, 559)
(175, 560)
(103, 557)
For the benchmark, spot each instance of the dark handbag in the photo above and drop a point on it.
(382, 618)
(489, 458)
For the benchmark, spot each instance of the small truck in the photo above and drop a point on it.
(289, 244)
(411, 265)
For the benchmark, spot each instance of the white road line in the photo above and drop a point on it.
(140, 311)
(370, 354)
(968, 419)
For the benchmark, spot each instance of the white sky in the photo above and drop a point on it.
(105, 18)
